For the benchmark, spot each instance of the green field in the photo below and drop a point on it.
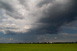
(38, 47)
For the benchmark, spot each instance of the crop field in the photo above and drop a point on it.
(38, 47)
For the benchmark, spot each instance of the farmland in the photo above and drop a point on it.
(38, 47)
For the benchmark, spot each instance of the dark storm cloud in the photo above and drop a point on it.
(41, 19)
(57, 16)
(55, 13)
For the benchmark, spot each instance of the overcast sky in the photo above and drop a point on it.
(38, 21)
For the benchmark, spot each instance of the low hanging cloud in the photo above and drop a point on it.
(36, 17)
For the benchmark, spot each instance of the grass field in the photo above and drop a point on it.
(38, 47)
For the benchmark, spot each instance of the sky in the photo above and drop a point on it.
(24, 21)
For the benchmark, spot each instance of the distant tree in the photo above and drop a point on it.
(76, 41)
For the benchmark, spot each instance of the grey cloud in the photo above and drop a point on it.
(23, 2)
(10, 10)
(14, 15)
(53, 17)
(45, 2)
(57, 16)
(5, 6)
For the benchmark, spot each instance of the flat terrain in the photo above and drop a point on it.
(38, 47)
